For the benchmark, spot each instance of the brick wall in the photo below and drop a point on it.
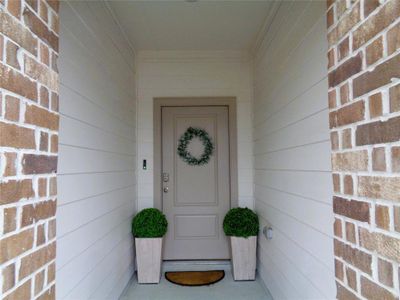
(28, 147)
(364, 102)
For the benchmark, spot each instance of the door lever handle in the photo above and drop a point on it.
(165, 189)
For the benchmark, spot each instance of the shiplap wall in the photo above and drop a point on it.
(194, 74)
(293, 189)
(96, 174)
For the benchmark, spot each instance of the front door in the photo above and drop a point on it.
(195, 197)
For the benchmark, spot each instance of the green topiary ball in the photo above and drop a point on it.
(241, 222)
(149, 223)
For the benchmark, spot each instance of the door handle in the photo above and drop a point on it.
(165, 189)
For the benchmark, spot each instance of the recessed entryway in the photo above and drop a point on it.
(317, 90)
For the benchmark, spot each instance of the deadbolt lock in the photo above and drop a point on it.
(165, 177)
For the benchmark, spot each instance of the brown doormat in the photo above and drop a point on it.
(195, 278)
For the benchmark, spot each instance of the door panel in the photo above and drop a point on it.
(198, 197)
(196, 226)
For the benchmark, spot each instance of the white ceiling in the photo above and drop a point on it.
(201, 25)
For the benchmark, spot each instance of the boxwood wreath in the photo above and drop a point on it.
(184, 141)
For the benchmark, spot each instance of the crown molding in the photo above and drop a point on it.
(192, 55)
(117, 22)
(264, 30)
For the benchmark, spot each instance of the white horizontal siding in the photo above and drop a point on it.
(93, 161)
(91, 114)
(97, 154)
(89, 185)
(292, 176)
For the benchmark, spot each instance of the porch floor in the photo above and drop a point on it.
(224, 289)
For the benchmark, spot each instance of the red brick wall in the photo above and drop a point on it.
(364, 102)
(28, 147)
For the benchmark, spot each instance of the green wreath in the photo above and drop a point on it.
(184, 141)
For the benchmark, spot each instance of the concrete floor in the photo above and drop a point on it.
(227, 288)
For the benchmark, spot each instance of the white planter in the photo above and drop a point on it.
(148, 259)
(244, 257)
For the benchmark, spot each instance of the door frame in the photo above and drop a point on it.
(158, 104)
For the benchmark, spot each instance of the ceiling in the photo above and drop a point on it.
(200, 25)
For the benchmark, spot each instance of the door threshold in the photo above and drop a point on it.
(196, 265)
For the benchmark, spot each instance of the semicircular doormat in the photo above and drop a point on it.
(195, 278)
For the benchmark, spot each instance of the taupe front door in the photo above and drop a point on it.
(195, 198)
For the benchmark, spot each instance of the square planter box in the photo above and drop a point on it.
(148, 259)
(244, 257)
